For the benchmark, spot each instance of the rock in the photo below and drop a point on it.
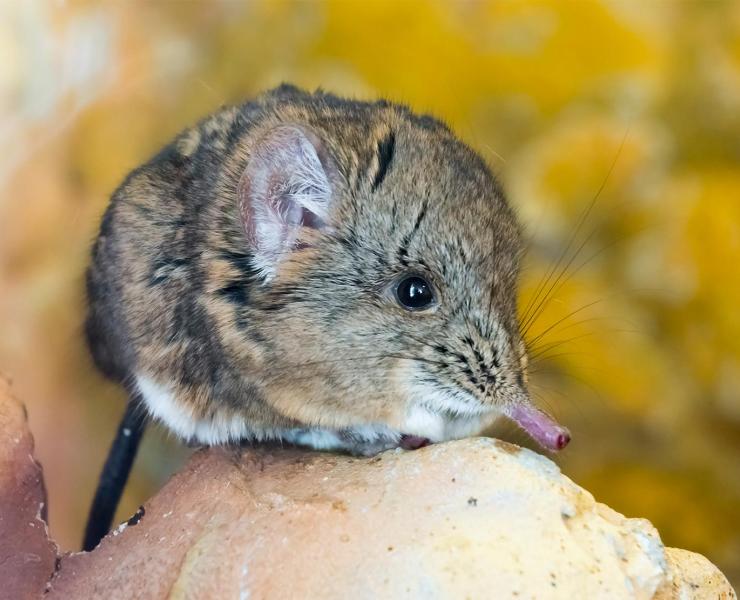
(476, 518)
(694, 578)
(27, 555)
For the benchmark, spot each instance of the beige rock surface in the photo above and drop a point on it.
(470, 519)
(694, 577)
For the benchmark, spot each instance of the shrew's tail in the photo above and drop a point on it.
(115, 472)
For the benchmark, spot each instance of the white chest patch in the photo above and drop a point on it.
(438, 428)
(164, 407)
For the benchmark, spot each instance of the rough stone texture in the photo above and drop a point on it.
(694, 577)
(476, 518)
(27, 555)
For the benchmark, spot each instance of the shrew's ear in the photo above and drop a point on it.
(285, 187)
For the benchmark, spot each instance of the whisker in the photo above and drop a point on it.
(540, 353)
(533, 302)
(565, 318)
(554, 290)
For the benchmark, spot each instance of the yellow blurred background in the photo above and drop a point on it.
(633, 104)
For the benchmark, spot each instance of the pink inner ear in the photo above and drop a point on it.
(543, 428)
(310, 219)
(298, 215)
(284, 187)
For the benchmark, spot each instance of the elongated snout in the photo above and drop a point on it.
(547, 432)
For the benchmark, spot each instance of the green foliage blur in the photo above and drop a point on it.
(615, 127)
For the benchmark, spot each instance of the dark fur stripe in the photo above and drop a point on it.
(386, 149)
(403, 251)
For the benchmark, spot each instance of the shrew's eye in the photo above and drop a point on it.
(414, 293)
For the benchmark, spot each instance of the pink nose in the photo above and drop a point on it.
(562, 440)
